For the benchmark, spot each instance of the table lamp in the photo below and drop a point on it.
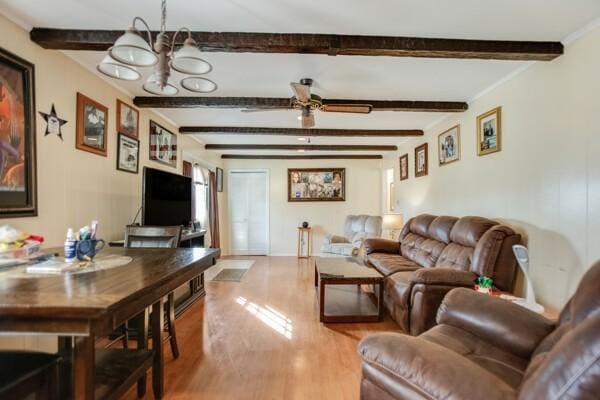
(392, 223)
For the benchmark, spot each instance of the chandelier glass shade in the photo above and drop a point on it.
(133, 50)
(114, 69)
(198, 84)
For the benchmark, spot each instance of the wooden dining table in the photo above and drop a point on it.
(80, 307)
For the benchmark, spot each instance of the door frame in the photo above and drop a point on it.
(268, 204)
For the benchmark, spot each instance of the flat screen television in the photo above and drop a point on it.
(167, 198)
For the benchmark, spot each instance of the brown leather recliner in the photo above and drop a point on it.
(488, 348)
(435, 255)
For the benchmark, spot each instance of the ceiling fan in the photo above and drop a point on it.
(308, 102)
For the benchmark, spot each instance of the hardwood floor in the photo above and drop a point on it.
(260, 339)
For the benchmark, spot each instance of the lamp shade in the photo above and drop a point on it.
(114, 69)
(188, 60)
(392, 221)
(132, 49)
(198, 85)
(152, 86)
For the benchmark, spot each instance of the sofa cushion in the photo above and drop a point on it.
(388, 264)
(455, 256)
(468, 230)
(420, 224)
(398, 286)
(440, 228)
(506, 366)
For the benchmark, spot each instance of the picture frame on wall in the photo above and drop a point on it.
(421, 160)
(128, 119)
(128, 154)
(91, 130)
(404, 167)
(163, 145)
(489, 132)
(18, 175)
(219, 177)
(316, 184)
(449, 145)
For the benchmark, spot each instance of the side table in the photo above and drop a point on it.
(304, 237)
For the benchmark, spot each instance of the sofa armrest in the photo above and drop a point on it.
(378, 245)
(443, 276)
(329, 239)
(497, 321)
(411, 367)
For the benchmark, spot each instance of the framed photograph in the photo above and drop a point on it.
(489, 132)
(163, 145)
(92, 118)
(449, 145)
(316, 184)
(128, 154)
(219, 173)
(421, 160)
(18, 186)
(404, 167)
(128, 119)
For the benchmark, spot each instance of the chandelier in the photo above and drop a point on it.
(131, 51)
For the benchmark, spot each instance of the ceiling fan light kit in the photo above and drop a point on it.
(133, 50)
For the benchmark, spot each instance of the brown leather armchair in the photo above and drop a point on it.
(488, 348)
(435, 255)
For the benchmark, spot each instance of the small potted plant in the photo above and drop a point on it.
(483, 284)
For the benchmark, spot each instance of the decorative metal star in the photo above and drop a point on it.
(53, 123)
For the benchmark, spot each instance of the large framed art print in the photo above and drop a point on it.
(18, 187)
(316, 184)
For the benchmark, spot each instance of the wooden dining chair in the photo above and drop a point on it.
(157, 237)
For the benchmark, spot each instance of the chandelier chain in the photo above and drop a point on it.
(163, 16)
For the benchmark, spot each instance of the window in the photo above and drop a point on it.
(200, 181)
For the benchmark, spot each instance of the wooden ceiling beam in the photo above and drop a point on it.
(306, 147)
(303, 157)
(311, 43)
(277, 103)
(244, 130)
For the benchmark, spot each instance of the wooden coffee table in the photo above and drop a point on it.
(338, 282)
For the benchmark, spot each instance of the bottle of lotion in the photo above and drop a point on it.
(70, 246)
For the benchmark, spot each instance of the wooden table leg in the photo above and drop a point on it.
(171, 325)
(83, 368)
(321, 302)
(157, 321)
(65, 350)
(380, 301)
(142, 344)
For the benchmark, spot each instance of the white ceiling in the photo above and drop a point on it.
(268, 75)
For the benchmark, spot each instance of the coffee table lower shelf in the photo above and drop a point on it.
(347, 304)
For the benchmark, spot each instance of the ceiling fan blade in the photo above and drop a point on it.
(252, 110)
(302, 92)
(308, 121)
(347, 108)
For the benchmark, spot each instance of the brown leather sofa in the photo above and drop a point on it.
(435, 255)
(488, 348)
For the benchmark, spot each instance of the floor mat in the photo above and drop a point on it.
(230, 274)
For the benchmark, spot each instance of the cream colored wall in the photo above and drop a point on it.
(546, 180)
(362, 197)
(74, 186)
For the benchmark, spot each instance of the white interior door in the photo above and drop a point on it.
(249, 212)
